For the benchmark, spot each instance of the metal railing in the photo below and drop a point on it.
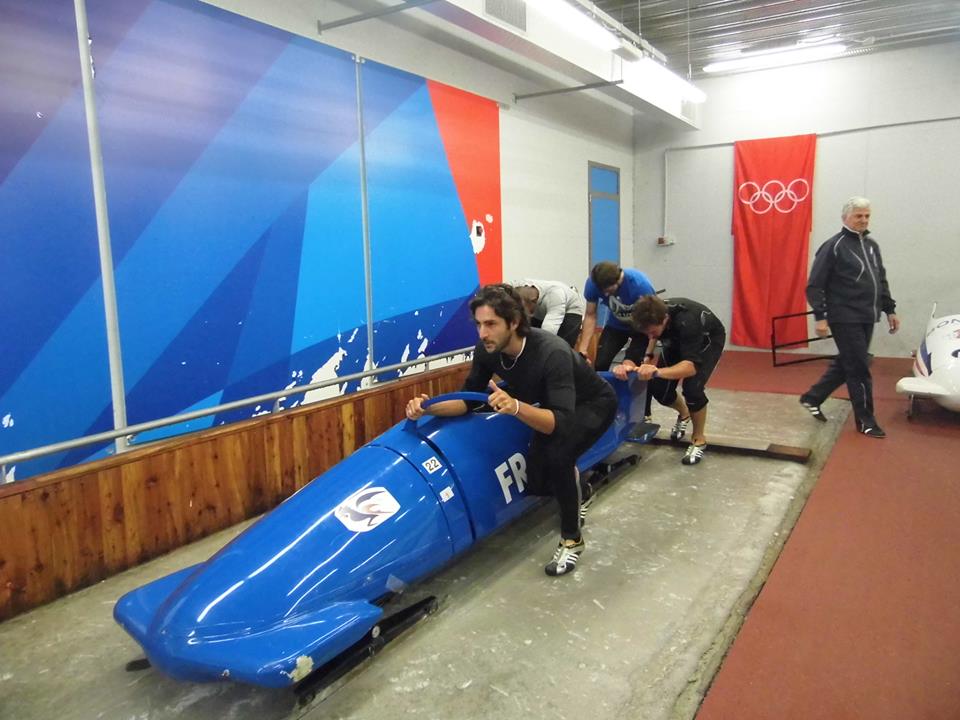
(131, 431)
(774, 346)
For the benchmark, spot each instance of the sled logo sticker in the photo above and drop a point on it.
(367, 509)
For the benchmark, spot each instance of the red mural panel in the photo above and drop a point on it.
(470, 128)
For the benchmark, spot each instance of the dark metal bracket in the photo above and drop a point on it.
(321, 26)
(589, 86)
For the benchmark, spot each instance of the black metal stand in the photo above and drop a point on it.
(774, 346)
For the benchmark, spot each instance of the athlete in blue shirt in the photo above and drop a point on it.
(619, 289)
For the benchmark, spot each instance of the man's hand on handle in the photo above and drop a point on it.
(622, 371)
(501, 401)
(644, 371)
(414, 410)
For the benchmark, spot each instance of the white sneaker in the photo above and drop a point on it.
(694, 454)
(565, 558)
(679, 428)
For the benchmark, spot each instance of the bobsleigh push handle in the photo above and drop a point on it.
(462, 395)
(411, 425)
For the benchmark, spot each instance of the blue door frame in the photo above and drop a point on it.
(603, 191)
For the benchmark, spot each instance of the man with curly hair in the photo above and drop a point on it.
(548, 387)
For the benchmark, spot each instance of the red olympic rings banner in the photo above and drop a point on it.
(772, 216)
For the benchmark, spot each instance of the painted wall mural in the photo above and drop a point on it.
(233, 168)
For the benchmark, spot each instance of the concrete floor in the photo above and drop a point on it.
(674, 557)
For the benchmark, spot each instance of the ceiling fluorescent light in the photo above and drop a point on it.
(663, 79)
(628, 51)
(777, 58)
(576, 22)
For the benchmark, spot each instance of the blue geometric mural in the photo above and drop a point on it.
(233, 170)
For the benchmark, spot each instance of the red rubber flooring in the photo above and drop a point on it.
(860, 617)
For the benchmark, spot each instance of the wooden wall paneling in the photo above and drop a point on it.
(87, 534)
(399, 398)
(191, 501)
(348, 429)
(359, 423)
(34, 549)
(70, 528)
(280, 478)
(318, 437)
(113, 539)
(258, 479)
(228, 480)
(134, 513)
(322, 430)
(16, 556)
(166, 495)
(289, 462)
(64, 555)
(333, 435)
(240, 463)
(303, 462)
(377, 415)
(196, 467)
(231, 478)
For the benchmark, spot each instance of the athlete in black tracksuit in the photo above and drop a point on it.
(694, 333)
(847, 290)
(552, 375)
(548, 387)
(692, 338)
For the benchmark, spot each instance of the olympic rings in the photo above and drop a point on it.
(773, 194)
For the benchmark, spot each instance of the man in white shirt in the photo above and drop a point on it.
(553, 306)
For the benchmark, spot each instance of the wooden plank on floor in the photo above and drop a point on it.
(742, 446)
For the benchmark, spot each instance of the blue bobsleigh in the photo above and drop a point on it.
(306, 583)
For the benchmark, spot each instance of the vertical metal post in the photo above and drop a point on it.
(117, 391)
(666, 188)
(365, 219)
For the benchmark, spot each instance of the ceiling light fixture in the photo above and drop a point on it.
(777, 58)
(651, 72)
(576, 22)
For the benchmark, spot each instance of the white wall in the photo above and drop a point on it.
(544, 190)
(545, 143)
(911, 173)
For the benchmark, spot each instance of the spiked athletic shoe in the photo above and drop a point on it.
(679, 428)
(694, 454)
(814, 410)
(565, 558)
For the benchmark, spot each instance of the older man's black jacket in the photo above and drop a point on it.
(848, 282)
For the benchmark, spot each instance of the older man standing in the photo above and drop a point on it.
(848, 290)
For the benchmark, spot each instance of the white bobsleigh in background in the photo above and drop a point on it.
(936, 364)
